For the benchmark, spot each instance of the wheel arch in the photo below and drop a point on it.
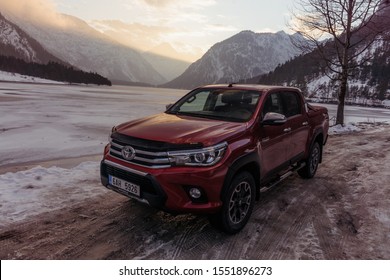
(318, 137)
(249, 163)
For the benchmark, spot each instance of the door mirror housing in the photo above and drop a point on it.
(272, 118)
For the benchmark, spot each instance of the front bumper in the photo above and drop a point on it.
(167, 189)
(152, 193)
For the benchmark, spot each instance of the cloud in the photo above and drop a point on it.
(159, 3)
(167, 12)
(135, 35)
(41, 11)
(194, 4)
(221, 28)
(146, 37)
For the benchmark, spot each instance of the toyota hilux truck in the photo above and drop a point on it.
(216, 150)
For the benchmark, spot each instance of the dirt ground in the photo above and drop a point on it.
(342, 213)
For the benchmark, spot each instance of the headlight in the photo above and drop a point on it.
(200, 157)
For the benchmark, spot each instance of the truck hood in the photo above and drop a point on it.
(179, 129)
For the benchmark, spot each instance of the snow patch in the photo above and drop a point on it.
(15, 77)
(31, 192)
(342, 129)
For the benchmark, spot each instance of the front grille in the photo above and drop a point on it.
(144, 182)
(153, 154)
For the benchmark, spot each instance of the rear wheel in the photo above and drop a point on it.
(237, 204)
(309, 170)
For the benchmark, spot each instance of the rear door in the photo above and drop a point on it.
(297, 124)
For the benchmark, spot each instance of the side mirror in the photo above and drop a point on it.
(274, 119)
(168, 106)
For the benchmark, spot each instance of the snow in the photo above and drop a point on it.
(315, 85)
(31, 192)
(15, 77)
(340, 129)
(10, 36)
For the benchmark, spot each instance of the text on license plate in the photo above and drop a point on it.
(124, 185)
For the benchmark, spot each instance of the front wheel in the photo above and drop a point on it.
(309, 170)
(238, 203)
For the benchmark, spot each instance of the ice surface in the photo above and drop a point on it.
(356, 114)
(40, 122)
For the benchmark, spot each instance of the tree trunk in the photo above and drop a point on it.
(342, 94)
(345, 63)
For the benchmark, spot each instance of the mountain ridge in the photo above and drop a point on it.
(242, 56)
(76, 42)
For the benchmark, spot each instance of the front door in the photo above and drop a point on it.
(274, 139)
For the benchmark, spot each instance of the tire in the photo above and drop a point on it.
(237, 205)
(309, 170)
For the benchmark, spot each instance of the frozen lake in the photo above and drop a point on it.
(40, 122)
(354, 114)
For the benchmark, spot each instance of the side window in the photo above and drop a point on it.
(291, 104)
(273, 104)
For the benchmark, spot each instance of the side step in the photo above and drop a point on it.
(281, 178)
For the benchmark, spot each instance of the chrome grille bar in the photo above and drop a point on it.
(142, 157)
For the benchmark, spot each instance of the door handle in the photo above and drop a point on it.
(305, 123)
(287, 129)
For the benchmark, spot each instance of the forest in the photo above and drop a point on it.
(51, 71)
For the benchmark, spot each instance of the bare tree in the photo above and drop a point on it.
(340, 30)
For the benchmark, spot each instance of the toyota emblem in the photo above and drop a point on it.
(128, 153)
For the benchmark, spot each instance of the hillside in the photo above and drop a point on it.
(17, 43)
(74, 41)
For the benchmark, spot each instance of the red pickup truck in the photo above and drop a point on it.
(216, 150)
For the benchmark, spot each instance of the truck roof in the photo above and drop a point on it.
(257, 87)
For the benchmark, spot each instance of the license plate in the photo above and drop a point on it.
(124, 185)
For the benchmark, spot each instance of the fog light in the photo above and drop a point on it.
(195, 193)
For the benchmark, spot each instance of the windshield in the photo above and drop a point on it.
(225, 104)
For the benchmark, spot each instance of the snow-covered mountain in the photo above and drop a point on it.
(74, 41)
(242, 56)
(15, 42)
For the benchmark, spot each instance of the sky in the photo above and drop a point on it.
(190, 26)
